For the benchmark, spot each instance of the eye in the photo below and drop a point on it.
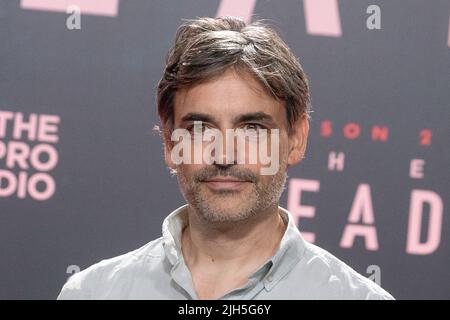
(197, 127)
(253, 126)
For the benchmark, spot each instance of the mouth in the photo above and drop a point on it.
(226, 183)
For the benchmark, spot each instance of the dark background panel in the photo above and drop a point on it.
(113, 189)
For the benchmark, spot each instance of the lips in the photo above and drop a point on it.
(226, 183)
(224, 179)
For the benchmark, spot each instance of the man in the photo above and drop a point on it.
(231, 240)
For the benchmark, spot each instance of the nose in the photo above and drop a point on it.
(226, 161)
(225, 156)
(224, 166)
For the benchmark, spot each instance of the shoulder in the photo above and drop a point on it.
(83, 284)
(337, 278)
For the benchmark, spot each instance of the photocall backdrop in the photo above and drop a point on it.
(82, 176)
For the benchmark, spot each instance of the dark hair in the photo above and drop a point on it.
(205, 47)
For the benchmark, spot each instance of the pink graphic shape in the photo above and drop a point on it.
(322, 18)
(296, 187)
(237, 8)
(369, 233)
(414, 244)
(448, 40)
(95, 7)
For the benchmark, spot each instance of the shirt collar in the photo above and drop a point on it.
(289, 253)
(171, 231)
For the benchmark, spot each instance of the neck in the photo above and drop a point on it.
(232, 244)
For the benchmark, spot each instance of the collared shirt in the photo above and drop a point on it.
(298, 270)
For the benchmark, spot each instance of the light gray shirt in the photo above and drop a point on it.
(298, 270)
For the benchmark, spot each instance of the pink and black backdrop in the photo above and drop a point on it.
(82, 176)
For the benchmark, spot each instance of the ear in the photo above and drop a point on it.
(298, 140)
(168, 146)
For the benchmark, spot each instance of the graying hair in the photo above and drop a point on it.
(205, 47)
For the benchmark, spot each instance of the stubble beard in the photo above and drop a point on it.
(226, 206)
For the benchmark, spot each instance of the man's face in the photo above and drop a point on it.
(229, 191)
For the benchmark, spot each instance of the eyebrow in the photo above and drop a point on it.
(193, 116)
(255, 116)
(246, 117)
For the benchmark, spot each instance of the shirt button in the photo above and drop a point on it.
(269, 278)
